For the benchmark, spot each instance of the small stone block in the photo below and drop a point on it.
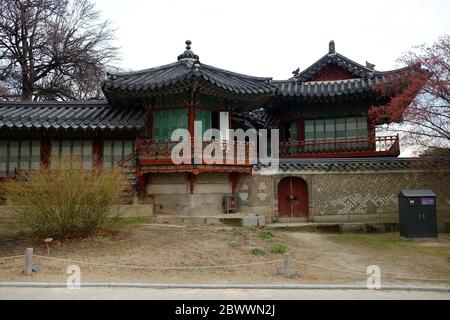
(250, 221)
(261, 221)
(37, 268)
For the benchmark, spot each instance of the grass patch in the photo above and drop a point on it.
(278, 248)
(233, 244)
(266, 236)
(258, 252)
(393, 242)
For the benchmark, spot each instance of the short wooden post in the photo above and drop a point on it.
(28, 261)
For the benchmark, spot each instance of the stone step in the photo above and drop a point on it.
(335, 227)
(234, 219)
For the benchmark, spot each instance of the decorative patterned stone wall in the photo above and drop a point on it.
(372, 193)
(244, 189)
(256, 194)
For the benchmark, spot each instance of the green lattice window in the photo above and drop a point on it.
(166, 121)
(205, 117)
(115, 151)
(19, 155)
(79, 150)
(336, 129)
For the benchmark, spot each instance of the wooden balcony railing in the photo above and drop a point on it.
(154, 152)
(159, 152)
(355, 147)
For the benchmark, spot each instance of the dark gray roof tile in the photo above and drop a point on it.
(368, 164)
(69, 115)
(152, 80)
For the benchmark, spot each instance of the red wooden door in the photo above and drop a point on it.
(292, 198)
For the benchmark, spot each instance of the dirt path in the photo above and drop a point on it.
(399, 265)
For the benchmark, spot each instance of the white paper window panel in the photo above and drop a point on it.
(35, 154)
(3, 150)
(77, 148)
(25, 155)
(107, 153)
(118, 148)
(65, 147)
(129, 147)
(13, 155)
(87, 148)
(107, 148)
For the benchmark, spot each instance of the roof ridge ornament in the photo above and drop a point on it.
(370, 66)
(188, 53)
(331, 47)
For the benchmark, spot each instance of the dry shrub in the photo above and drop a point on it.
(65, 201)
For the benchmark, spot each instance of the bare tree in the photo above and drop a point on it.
(53, 49)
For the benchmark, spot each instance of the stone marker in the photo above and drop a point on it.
(28, 261)
(287, 270)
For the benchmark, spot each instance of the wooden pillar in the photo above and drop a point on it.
(191, 181)
(97, 152)
(149, 124)
(234, 180)
(191, 119)
(141, 178)
(45, 151)
(371, 133)
(300, 129)
(141, 184)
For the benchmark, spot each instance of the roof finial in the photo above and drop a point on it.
(331, 47)
(188, 54)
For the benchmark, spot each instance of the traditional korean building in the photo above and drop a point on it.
(333, 165)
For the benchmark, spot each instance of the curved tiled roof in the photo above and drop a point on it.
(326, 88)
(157, 79)
(341, 61)
(294, 87)
(69, 115)
(369, 164)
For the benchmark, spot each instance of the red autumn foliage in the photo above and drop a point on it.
(418, 97)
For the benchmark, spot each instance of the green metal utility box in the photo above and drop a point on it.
(417, 213)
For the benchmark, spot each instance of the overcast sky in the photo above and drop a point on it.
(272, 38)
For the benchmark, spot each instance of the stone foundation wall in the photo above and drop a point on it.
(170, 193)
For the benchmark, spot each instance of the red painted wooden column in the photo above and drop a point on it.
(191, 119)
(191, 181)
(141, 178)
(300, 129)
(371, 132)
(97, 152)
(150, 124)
(45, 152)
(234, 179)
